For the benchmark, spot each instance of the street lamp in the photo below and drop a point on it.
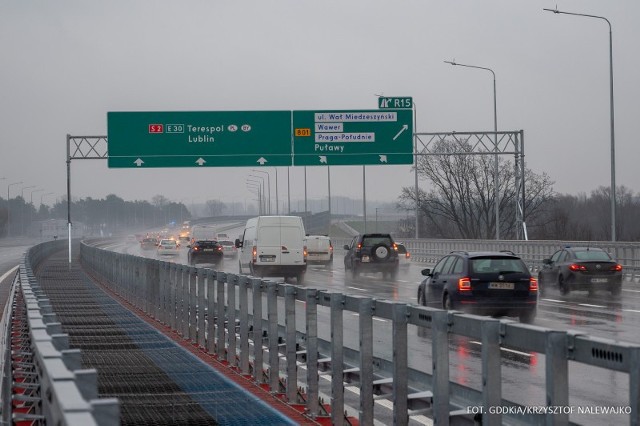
(25, 187)
(256, 187)
(268, 197)
(613, 139)
(269, 185)
(44, 195)
(495, 148)
(9, 208)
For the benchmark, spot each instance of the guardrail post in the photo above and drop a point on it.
(243, 282)
(211, 311)
(400, 368)
(272, 318)
(193, 301)
(220, 314)
(232, 280)
(337, 358)
(313, 404)
(173, 296)
(290, 342)
(185, 301)
(201, 273)
(258, 363)
(491, 372)
(365, 311)
(440, 356)
(557, 375)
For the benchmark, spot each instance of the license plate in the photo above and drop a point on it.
(268, 258)
(599, 280)
(365, 258)
(501, 286)
(207, 250)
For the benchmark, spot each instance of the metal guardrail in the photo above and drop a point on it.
(429, 251)
(251, 324)
(42, 379)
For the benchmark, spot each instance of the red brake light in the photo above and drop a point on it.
(254, 253)
(407, 255)
(304, 253)
(616, 268)
(533, 284)
(464, 284)
(577, 267)
(395, 246)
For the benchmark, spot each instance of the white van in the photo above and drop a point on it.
(319, 249)
(273, 246)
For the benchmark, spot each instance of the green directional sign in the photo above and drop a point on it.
(356, 137)
(199, 139)
(403, 102)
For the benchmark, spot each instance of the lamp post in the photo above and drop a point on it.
(31, 203)
(256, 187)
(268, 193)
(44, 195)
(495, 148)
(261, 200)
(613, 139)
(25, 187)
(9, 208)
(269, 186)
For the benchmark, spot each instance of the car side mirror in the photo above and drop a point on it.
(346, 247)
(546, 261)
(426, 272)
(238, 243)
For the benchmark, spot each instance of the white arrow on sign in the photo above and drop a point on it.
(405, 127)
(138, 162)
(200, 161)
(383, 158)
(323, 159)
(261, 160)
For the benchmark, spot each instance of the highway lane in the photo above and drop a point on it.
(523, 373)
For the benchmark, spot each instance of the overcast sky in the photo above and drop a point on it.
(65, 64)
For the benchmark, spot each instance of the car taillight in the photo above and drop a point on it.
(577, 267)
(407, 255)
(464, 284)
(220, 248)
(616, 268)
(358, 247)
(395, 246)
(304, 253)
(533, 284)
(196, 248)
(254, 253)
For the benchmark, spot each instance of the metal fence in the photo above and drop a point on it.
(253, 324)
(42, 379)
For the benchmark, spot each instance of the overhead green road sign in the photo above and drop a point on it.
(355, 137)
(199, 139)
(395, 102)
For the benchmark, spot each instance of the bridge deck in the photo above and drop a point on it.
(156, 380)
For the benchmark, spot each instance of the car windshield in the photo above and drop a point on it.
(226, 243)
(500, 265)
(168, 243)
(596, 255)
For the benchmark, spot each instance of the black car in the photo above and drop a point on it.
(484, 283)
(581, 268)
(205, 251)
(372, 253)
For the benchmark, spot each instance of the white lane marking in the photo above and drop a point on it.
(380, 319)
(631, 310)
(631, 291)
(504, 349)
(9, 272)
(587, 305)
(555, 300)
(355, 288)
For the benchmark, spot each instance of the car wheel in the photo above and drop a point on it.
(380, 252)
(562, 286)
(447, 304)
(300, 278)
(615, 291)
(527, 317)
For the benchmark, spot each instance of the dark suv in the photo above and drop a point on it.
(486, 283)
(372, 253)
(581, 268)
(205, 251)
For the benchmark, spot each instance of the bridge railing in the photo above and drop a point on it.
(42, 379)
(270, 331)
(429, 251)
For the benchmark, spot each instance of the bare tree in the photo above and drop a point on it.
(216, 207)
(461, 203)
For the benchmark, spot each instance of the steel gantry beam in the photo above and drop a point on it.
(485, 143)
